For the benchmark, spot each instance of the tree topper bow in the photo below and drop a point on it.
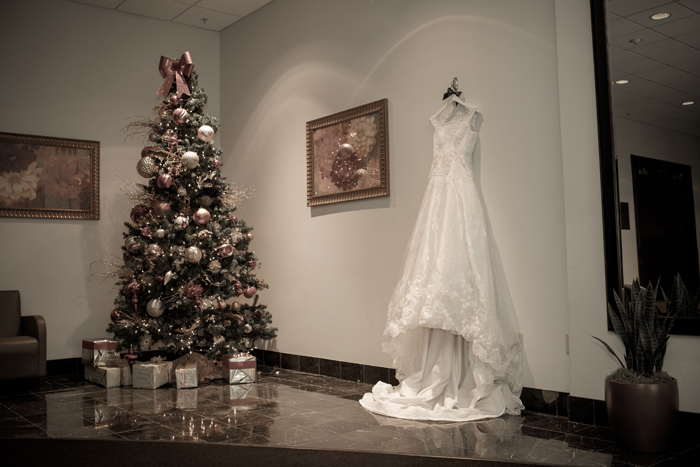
(175, 70)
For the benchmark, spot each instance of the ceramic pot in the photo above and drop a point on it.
(642, 417)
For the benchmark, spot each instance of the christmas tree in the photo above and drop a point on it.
(185, 253)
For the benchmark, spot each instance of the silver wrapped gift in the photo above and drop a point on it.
(241, 395)
(239, 368)
(186, 399)
(109, 376)
(185, 373)
(151, 375)
(100, 352)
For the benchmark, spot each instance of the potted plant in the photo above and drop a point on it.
(641, 399)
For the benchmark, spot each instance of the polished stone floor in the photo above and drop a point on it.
(287, 408)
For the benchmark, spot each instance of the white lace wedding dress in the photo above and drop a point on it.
(453, 338)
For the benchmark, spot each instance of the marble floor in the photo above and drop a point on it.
(288, 408)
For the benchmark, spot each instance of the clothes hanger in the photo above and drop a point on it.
(452, 95)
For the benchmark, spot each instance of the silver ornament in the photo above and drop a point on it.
(147, 167)
(181, 191)
(160, 233)
(132, 244)
(189, 160)
(236, 306)
(155, 307)
(153, 137)
(205, 133)
(247, 328)
(193, 254)
(181, 222)
(168, 277)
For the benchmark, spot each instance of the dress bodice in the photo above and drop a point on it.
(453, 143)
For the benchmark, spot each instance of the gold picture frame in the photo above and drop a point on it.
(49, 178)
(347, 155)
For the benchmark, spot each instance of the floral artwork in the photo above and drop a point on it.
(347, 155)
(48, 177)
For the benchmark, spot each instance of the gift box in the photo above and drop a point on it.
(109, 376)
(185, 374)
(239, 368)
(241, 395)
(186, 399)
(100, 352)
(151, 375)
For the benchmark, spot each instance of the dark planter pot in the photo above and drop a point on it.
(642, 417)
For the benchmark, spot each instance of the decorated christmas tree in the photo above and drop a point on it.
(188, 281)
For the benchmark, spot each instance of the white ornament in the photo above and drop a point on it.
(190, 160)
(155, 307)
(205, 133)
(168, 277)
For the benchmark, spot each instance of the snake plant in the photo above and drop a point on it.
(643, 331)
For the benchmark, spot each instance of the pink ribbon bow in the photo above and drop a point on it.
(175, 70)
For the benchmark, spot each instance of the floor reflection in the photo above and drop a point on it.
(287, 408)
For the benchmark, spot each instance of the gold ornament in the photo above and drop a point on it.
(193, 254)
(147, 167)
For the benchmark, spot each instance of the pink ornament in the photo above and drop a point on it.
(132, 288)
(153, 251)
(165, 181)
(146, 232)
(252, 264)
(138, 212)
(201, 216)
(180, 116)
(147, 151)
(225, 250)
(216, 164)
(161, 207)
(249, 292)
(172, 142)
(249, 236)
(222, 305)
(174, 100)
(237, 285)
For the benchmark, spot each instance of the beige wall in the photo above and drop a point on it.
(332, 269)
(77, 71)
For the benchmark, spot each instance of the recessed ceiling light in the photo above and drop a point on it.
(622, 81)
(636, 40)
(688, 103)
(658, 16)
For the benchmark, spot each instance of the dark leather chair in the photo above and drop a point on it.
(22, 340)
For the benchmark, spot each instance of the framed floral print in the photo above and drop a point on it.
(47, 177)
(347, 155)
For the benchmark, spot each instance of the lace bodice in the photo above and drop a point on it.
(453, 142)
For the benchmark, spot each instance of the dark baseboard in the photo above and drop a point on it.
(64, 366)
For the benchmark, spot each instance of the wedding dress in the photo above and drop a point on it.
(451, 331)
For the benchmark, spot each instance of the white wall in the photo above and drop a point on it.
(77, 71)
(332, 269)
(642, 139)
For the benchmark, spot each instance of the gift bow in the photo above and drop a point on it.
(174, 70)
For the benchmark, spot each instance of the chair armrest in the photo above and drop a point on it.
(35, 326)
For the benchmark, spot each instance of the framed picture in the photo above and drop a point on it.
(347, 155)
(51, 178)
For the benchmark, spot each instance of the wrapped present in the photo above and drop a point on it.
(100, 352)
(109, 376)
(151, 375)
(185, 371)
(186, 399)
(241, 395)
(239, 368)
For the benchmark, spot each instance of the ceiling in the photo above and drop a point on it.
(214, 15)
(663, 69)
